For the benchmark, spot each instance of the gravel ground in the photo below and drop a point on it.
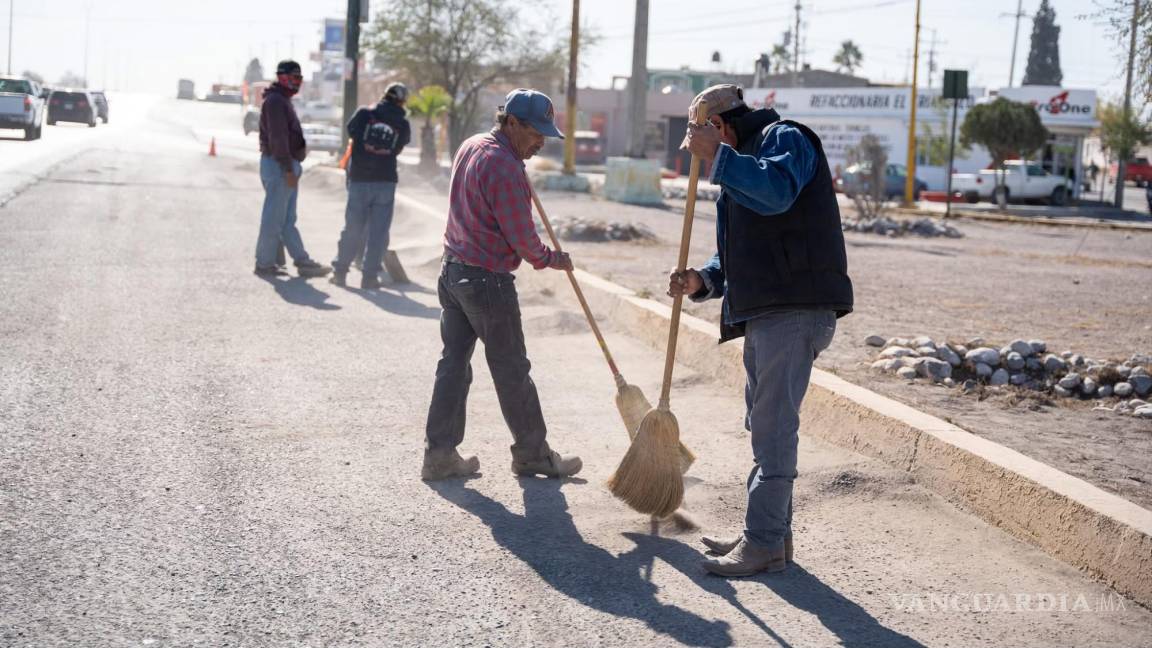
(1085, 290)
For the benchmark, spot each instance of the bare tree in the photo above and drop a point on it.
(871, 159)
(465, 46)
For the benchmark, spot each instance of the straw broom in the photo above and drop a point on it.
(649, 478)
(630, 401)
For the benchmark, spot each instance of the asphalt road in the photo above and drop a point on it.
(190, 455)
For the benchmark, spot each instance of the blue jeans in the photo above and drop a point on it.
(278, 218)
(368, 214)
(779, 349)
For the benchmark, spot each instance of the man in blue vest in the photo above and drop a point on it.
(782, 272)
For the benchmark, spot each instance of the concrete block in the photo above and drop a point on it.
(633, 181)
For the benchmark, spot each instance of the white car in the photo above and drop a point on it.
(1020, 182)
(323, 137)
(319, 112)
(22, 106)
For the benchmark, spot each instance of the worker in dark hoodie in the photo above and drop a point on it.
(282, 149)
(378, 133)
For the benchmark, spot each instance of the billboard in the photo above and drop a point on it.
(333, 35)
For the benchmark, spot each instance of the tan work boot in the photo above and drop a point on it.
(553, 465)
(719, 546)
(446, 465)
(746, 559)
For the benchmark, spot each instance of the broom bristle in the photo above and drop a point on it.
(648, 478)
(633, 406)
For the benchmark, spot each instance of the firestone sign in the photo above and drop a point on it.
(1057, 105)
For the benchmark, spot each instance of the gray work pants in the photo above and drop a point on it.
(779, 349)
(479, 304)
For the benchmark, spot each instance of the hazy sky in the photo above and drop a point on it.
(146, 45)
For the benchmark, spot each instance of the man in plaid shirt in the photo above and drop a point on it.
(490, 230)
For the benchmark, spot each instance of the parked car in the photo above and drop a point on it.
(855, 179)
(323, 137)
(1021, 182)
(319, 112)
(251, 121)
(101, 105)
(589, 148)
(72, 106)
(225, 96)
(1138, 171)
(22, 106)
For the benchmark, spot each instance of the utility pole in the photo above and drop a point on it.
(11, 16)
(87, 32)
(796, 48)
(1122, 159)
(638, 84)
(932, 58)
(910, 180)
(351, 59)
(570, 111)
(1015, 38)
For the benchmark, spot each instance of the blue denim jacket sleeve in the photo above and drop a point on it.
(769, 182)
(713, 275)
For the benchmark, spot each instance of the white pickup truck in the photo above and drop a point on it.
(22, 106)
(1020, 182)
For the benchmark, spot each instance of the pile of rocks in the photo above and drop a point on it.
(891, 227)
(579, 229)
(1021, 363)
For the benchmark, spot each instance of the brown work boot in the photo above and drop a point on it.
(720, 546)
(746, 559)
(553, 465)
(446, 465)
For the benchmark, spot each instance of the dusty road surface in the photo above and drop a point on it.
(1084, 290)
(191, 455)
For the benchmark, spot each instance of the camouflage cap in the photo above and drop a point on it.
(720, 98)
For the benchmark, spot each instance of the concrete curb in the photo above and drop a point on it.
(1074, 221)
(1105, 535)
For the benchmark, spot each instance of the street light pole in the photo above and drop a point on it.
(910, 180)
(638, 84)
(351, 59)
(87, 32)
(570, 112)
(1015, 38)
(11, 16)
(1122, 160)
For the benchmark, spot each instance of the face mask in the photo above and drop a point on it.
(290, 82)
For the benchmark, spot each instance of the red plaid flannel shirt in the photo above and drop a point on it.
(490, 216)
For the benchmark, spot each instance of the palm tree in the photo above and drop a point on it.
(848, 58)
(781, 58)
(430, 102)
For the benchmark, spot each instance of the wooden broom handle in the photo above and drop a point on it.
(576, 288)
(682, 263)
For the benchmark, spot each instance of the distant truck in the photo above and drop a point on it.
(186, 89)
(1138, 171)
(22, 106)
(1020, 182)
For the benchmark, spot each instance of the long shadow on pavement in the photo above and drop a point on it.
(297, 290)
(398, 302)
(547, 540)
(843, 617)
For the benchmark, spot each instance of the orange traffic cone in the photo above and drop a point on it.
(212, 148)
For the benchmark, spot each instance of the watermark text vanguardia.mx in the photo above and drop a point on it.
(1077, 602)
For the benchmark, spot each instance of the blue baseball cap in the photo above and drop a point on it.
(532, 107)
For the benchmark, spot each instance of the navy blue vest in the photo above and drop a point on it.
(790, 261)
